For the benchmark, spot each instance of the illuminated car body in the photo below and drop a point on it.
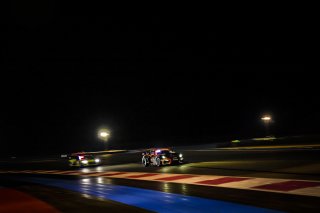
(83, 159)
(160, 157)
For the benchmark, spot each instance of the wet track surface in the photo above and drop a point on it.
(290, 164)
(94, 190)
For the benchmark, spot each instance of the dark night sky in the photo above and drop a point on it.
(153, 80)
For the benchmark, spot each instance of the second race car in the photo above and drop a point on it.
(82, 159)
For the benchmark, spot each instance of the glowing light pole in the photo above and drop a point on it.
(266, 120)
(104, 135)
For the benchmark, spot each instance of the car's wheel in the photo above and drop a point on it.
(158, 162)
(145, 162)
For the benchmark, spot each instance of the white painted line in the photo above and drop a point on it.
(244, 184)
(198, 178)
(312, 191)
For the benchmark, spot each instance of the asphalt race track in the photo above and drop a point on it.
(298, 168)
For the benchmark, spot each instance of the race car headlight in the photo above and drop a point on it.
(163, 157)
(84, 161)
(97, 160)
(180, 155)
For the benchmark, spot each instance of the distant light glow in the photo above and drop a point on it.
(180, 155)
(266, 118)
(157, 151)
(104, 134)
(85, 161)
(97, 160)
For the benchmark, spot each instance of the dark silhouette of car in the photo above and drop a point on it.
(161, 156)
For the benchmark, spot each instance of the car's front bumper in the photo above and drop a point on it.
(78, 164)
(169, 161)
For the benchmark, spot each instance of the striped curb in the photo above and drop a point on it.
(288, 186)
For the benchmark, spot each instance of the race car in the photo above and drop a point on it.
(82, 159)
(161, 156)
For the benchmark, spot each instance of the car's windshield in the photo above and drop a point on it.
(166, 152)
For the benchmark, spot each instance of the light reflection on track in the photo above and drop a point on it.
(143, 198)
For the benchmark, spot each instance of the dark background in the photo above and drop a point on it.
(153, 80)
